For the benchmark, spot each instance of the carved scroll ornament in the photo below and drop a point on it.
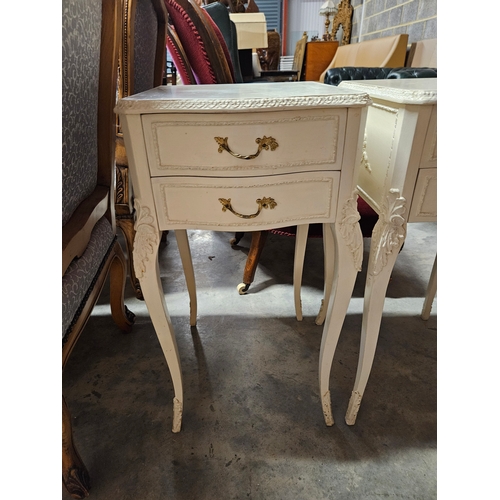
(350, 230)
(389, 232)
(146, 239)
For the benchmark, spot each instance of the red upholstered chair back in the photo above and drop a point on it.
(179, 57)
(202, 43)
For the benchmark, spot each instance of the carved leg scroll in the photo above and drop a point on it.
(388, 236)
(146, 245)
(348, 244)
(75, 476)
(298, 266)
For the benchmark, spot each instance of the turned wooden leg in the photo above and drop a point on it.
(75, 476)
(126, 224)
(117, 278)
(298, 266)
(187, 264)
(347, 262)
(256, 247)
(431, 292)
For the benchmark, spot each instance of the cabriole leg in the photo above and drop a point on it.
(147, 240)
(431, 292)
(347, 243)
(187, 264)
(388, 237)
(298, 266)
(75, 476)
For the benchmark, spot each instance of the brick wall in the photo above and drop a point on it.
(378, 18)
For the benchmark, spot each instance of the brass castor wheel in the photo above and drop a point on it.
(243, 288)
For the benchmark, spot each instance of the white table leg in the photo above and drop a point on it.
(187, 264)
(329, 253)
(146, 243)
(298, 266)
(431, 292)
(348, 255)
(387, 238)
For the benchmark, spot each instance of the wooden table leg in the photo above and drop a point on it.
(298, 266)
(387, 239)
(329, 266)
(187, 264)
(147, 240)
(430, 293)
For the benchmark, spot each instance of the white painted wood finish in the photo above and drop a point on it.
(397, 177)
(178, 175)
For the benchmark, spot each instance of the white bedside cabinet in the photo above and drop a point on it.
(398, 178)
(244, 158)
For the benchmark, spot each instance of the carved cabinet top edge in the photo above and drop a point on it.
(240, 97)
(403, 91)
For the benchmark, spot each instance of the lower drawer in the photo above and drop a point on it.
(252, 203)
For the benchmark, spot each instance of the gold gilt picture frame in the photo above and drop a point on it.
(343, 18)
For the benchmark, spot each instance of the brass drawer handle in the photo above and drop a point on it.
(262, 203)
(264, 143)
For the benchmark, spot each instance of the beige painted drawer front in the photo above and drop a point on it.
(424, 204)
(185, 144)
(193, 202)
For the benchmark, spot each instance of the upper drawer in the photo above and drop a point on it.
(186, 144)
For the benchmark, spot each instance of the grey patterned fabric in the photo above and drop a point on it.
(81, 35)
(81, 272)
(146, 31)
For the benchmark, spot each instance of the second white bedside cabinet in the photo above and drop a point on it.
(398, 178)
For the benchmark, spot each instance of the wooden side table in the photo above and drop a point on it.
(318, 56)
(244, 158)
(398, 178)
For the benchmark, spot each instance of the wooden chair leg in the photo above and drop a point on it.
(75, 476)
(256, 247)
(126, 224)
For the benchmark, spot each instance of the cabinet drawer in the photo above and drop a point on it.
(185, 144)
(424, 203)
(194, 202)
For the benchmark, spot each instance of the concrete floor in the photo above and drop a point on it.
(253, 426)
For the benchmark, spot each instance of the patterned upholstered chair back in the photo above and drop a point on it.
(80, 79)
(90, 251)
(142, 58)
